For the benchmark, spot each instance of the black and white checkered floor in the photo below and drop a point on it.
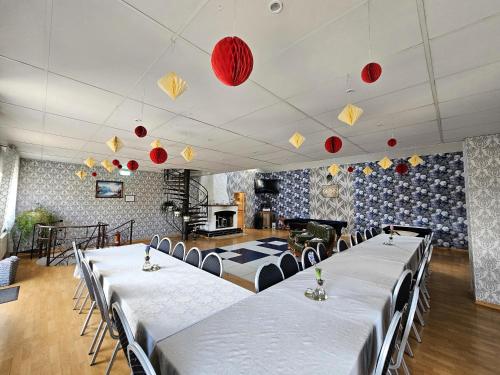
(243, 259)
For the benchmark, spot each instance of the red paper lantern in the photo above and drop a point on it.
(402, 168)
(94, 174)
(350, 169)
(333, 144)
(116, 162)
(119, 166)
(140, 131)
(132, 165)
(158, 155)
(392, 142)
(232, 61)
(371, 72)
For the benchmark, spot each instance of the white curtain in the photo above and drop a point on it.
(9, 174)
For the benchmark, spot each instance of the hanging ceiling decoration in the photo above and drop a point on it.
(81, 174)
(94, 174)
(156, 143)
(132, 165)
(415, 160)
(350, 114)
(367, 170)
(232, 61)
(140, 131)
(158, 155)
(371, 72)
(172, 85)
(401, 168)
(116, 162)
(334, 169)
(106, 164)
(119, 166)
(333, 144)
(391, 142)
(89, 162)
(188, 153)
(385, 163)
(115, 144)
(297, 139)
(350, 169)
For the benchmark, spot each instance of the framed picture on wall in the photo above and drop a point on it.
(330, 191)
(109, 189)
(129, 198)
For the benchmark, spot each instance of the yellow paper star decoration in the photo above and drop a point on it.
(415, 160)
(172, 85)
(156, 143)
(334, 169)
(81, 174)
(89, 162)
(297, 139)
(385, 162)
(188, 153)
(114, 143)
(107, 165)
(350, 114)
(367, 170)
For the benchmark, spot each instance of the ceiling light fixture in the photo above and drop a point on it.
(276, 6)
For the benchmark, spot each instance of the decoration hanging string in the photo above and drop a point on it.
(369, 32)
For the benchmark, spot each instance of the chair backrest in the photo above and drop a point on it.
(353, 239)
(125, 334)
(165, 245)
(154, 241)
(288, 264)
(359, 238)
(213, 264)
(402, 291)
(341, 245)
(87, 272)
(385, 354)
(267, 275)
(179, 250)
(368, 234)
(102, 303)
(407, 321)
(321, 251)
(193, 257)
(421, 269)
(374, 231)
(309, 257)
(139, 361)
(77, 256)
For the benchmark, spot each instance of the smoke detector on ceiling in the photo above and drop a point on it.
(276, 6)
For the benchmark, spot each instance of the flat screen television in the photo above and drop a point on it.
(263, 186)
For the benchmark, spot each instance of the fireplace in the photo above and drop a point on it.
(224, 219)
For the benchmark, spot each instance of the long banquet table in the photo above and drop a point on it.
(280, 331)
(161, 303)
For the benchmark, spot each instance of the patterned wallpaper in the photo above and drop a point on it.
(243, 181)
(431, 194)
(54, 185)
(482, 159)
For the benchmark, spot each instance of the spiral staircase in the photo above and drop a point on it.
(186, 201)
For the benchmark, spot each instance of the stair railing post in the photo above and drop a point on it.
(49, 246)
(131, 231)
(185, 204)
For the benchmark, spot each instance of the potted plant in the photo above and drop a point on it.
(167, 206)
(27, 219)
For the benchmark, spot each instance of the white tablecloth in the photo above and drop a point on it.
(159, 304)
(280, 331)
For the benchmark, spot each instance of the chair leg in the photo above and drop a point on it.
(426, 301)
(415, 331)
(87, 319)
(84, 303)
(405, 368)
(101, 339)
(408, 349)
(113, 356)
(75, 306)
(77, 289)
(96, 335)
(420, 318)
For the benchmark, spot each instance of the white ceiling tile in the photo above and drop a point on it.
(104, 43)
(13, 135)
(460, 134)
(20, 117)
(448, 55)
(471, 120)
(470, 104)
(444, 16)
(64, 126)
(21, 84)
(73, 99)
(71, 144)
(28, 148)
(65, 152)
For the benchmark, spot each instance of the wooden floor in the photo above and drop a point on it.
(39, 333)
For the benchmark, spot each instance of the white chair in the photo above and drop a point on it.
(321, 251)
(125, 335)
(402, 291)
(193, 257)
(86, 272)
(359, 237)
(368, 234)
(213, 264)
(309, 257)
(179, 251)
(353, 240)
(139, 361)
(165, 245)
(288, 264)
(154, 241)
(77, 295)
(385, 354)
(341, 245)
(267, 275)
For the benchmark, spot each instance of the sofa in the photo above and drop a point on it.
(301, 223)
(298, 239)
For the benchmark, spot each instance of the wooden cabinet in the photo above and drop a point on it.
(239, 199)
(267, 219)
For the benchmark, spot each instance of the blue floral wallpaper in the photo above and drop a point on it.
(431, 194)
(293, 198)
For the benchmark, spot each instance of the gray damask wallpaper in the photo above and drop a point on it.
(243, 181)
(55, 186)
(482, 160)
